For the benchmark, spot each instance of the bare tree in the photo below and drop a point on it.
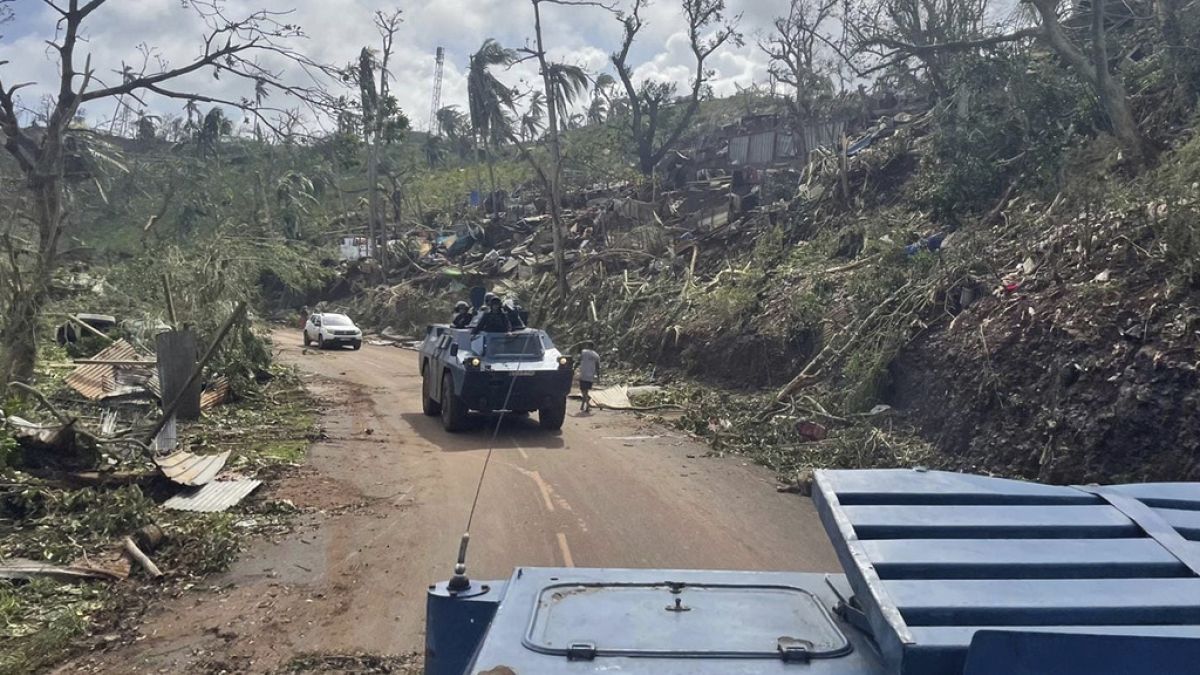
(928, 34)
(795, 47)
(553, 88)
(231, 47)
(382, 122)
(649, 102)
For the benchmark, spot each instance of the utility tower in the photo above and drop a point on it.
(435, 126)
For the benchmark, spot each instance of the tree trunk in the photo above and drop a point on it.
(1116, 107)
(560, 264)
(491, 162)
(20, 337)
(1113, 97)
(645, 161)
(18, 340)
(373, 247)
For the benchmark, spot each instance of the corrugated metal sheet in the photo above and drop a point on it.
(762, 148)
(823, 135)
(93, 380)
(935, 557)
(216, 393)
(216, 496)
(785, 146)
(186, 468)
(739, 149)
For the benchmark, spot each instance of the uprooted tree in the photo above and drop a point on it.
(231, 47)
(654, 119)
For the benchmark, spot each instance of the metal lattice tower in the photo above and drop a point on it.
(435, 127)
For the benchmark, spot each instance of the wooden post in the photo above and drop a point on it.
(176, 358)
(170, 409)
(170, 301)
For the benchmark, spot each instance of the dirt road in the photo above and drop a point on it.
(389, 493)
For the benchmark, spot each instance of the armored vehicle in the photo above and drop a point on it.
(944, 574)
(519, 372)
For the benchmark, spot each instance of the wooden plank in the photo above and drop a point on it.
(1021, 558)
(1047, 602)
(979, 522)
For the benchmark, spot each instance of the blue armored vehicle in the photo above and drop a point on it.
(944, 574)
(491, 372)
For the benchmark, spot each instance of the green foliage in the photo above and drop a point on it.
(1176, 216)
(61, 525)
(40, 618)
(447, 188)
(598, 154)
(201, 543)
(1021, 112)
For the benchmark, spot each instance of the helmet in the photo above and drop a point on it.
(461, 305)
(493, 300)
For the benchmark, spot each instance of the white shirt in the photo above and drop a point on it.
(589, 365)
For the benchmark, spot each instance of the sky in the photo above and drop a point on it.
(335, 31)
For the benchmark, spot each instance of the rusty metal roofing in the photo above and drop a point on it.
(213, 497)
(95, 380)
(186, 468)
(217, 392)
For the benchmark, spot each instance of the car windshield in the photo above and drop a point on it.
(336, 320)
(521, 344)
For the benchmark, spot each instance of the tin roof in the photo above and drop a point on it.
(94, 381)
(217, 392)
(186, 468)
(935, 557)
(215, 496)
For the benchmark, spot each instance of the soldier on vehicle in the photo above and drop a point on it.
(494, 320)
(462, 315)
(516, 314)
(487, 303)
(589, 372)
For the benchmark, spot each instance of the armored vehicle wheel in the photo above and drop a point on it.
(356, 345)
(454, 410)
(320, 341)
(428, 405)
(551, 416)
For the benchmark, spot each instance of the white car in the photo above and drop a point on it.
(332, 330)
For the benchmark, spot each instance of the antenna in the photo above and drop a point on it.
(435, 126)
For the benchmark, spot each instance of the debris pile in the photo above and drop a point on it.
(107, 483)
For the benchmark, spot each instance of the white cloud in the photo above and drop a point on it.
(338, 29)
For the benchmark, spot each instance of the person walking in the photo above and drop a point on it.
(589, 373)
